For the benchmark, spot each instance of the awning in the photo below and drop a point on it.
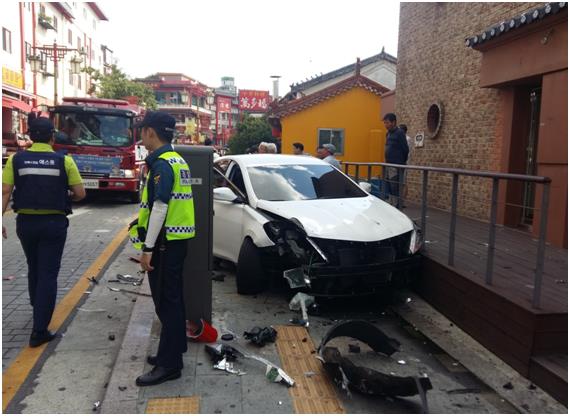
(16, 104)
(17, 91)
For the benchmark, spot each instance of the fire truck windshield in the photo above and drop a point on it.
(85, 129)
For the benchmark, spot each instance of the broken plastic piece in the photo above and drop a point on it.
(296, 278)
(365, 332)
(402, 362)
(11, 277)
(219, 351)
(227, 337)
(134, 259)
(228, 367)
(309, 373)
(96, 405)
(301, 301)
(128, 279)
(92, 279)
(132, 292)
(260, 336)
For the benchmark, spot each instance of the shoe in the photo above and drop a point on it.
(40, 337)
(158, 375)
(152, 360)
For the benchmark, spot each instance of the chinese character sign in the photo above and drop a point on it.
(255, 101)
(224, 104)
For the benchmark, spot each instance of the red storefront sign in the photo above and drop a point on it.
(223, 104)
(252, 100)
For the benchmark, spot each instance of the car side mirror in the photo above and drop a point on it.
(365, 186)
(226, 194)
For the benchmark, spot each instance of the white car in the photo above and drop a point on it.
(305, 220)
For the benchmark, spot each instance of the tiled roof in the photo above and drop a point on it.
(294, 106)
(341, 71)
(97, 10)
(524, 19)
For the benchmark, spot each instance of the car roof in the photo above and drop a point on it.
(273, 159)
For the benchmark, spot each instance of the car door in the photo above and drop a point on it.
(228, 216)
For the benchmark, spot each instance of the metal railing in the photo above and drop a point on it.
(456, 173)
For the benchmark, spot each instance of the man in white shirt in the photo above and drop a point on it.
(326, 153)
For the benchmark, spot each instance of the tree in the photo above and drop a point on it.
(117, 85)
(250, 132)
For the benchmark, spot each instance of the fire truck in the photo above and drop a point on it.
(99, 135)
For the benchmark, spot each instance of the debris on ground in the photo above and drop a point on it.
(227, 337)
(134, 259)
(91, 310)
(354, 348)
(204, 333)
(309, 373)
(260, 336)
(366, 380)
(96, 405)
(508, 386)
(122, 388)
(301, 301)
(111, 337)
(132, 292)
(464, 391)
(11, 277)
(128, 279)
(222, 355)
(402, 362)
(92, 279)
(532, 387)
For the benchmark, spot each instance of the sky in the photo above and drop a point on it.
(247, 39)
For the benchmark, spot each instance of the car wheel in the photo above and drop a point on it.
(250, 276)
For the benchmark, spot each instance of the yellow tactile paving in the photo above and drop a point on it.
(315, 394)
(174, 405)
(15, 375)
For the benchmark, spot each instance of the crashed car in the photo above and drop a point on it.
(299, 218)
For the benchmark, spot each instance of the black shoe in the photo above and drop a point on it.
(158, 375)
(40, 337)
(152, 359)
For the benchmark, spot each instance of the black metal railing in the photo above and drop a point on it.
(395, 187)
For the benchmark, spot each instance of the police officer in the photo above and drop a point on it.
(41, 180)
(165, 223)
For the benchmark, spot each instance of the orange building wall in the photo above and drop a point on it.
(357, 111)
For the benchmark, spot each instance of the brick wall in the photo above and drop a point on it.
(434, 65)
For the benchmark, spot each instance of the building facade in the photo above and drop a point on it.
(486, 83)
(185, 99)
(226, 110)
(29, 31)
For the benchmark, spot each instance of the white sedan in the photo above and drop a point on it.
(299, 218)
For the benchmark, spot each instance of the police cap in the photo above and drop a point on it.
(164, 124)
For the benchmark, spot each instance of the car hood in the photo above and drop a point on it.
(350, 219)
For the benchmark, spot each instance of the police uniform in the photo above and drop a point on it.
(41, 180)
(168, 181)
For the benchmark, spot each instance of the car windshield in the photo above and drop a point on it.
(84, 129)
(301, 182)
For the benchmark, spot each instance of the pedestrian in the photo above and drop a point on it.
(410, 142)
(165, 224)
(326, 153)
(395, 152)
(265, 147)
(299, 149)
(44, 184)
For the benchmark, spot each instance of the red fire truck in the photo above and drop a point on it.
(98, 133)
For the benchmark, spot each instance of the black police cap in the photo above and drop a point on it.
(162, 123)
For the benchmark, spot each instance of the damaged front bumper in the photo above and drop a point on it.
(356, 280)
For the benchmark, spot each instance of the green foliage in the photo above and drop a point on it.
(250, 132)
(117, 85)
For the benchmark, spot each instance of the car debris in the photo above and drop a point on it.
(91, 310)
(296, 278)
(300, 302)
(132, 292)
(508, 386)
(128, 279)
(96, 405)
(11, 277)
(222, 354)
(92, 279)
(111, 337)
(134, 259)
(260, 336)
(228, 367)
(227, 337)
(366, 380)
(402, 362)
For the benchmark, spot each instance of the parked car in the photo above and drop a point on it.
(306, 221)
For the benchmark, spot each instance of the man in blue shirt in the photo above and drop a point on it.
(396, 152)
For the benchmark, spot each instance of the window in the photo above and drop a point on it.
(70, 77)
(194, 100)
(6, 40)
(78, 43)
(44, 58)
(55, 23)
(69, 36)
(333, 136)
(79, 81)
(29, 51)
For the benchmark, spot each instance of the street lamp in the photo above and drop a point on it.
(54, 53)
(76, 62)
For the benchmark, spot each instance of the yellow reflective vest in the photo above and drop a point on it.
(179, 224)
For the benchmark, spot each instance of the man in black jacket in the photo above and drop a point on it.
(396, 151)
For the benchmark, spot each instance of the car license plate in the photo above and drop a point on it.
(91, 183)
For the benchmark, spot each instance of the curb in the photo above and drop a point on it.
(476, 358)
(121, 395)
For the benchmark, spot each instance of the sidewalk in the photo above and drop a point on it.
(85, 366)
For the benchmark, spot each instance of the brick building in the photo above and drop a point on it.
(487, 85)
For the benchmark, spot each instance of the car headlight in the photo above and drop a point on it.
(416, 240)
(274, 230)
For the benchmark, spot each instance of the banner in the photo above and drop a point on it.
(223, 104)
(254, 101)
